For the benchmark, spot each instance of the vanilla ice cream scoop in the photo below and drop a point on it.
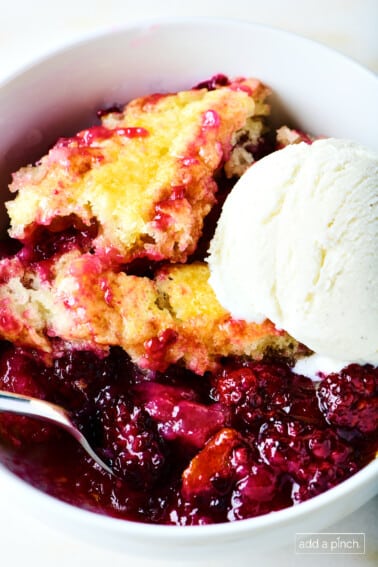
(297, 243)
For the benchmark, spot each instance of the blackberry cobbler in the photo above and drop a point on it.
(106, 309)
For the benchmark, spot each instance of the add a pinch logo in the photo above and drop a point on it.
(330, 543)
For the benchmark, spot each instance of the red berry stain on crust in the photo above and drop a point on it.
(214, 82)
(92, 136)
(210, 119)
(156, 349)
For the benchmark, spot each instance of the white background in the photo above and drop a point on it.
(30, 28)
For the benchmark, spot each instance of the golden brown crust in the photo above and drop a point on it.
(174, 318)
(146, 175)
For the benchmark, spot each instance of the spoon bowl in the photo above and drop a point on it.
(52, 413)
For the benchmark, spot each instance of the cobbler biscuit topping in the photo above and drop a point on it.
(106, 309)
(146, 176)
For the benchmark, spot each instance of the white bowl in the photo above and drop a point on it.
(315, 88)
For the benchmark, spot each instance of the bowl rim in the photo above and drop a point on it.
(198, 532)
(145, 23)
(161, 531)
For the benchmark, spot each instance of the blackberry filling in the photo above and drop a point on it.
(245, 439)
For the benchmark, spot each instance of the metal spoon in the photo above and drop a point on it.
(25, 405)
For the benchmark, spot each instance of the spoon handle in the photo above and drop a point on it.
(25, 405)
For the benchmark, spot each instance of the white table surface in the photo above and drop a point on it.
(30, 29)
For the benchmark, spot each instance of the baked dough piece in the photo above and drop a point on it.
(174, 318)
(145, 176)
